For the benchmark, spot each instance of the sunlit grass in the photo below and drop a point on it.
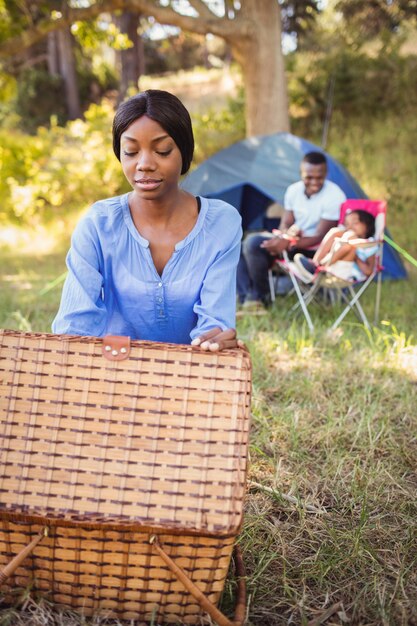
(334, 425)
(199, 88)
(333, 430)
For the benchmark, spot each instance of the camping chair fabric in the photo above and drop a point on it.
(341, 289)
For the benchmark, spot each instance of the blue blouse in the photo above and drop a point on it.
(112, 286)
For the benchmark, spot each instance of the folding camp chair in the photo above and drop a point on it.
(335, 288)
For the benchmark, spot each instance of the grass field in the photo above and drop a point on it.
(331, 508)
(329, 535)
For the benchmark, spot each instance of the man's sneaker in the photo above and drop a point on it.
(305, 267)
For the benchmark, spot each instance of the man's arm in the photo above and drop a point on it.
(287, 220)
(276, 245)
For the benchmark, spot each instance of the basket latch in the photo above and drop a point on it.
(116, 347)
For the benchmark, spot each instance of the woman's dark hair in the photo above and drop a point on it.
(162, 107)
(366, 218)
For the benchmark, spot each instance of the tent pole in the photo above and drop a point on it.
(328, 115)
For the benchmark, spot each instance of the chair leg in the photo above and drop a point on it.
(271, 285)
(307, 296)
(354, 306)
(301, 301)
(359, 310)
(354, 303)
(378, 297)
(310, 295)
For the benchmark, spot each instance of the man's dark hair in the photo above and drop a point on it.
(315, 158)
(162, 107)
(366, 218)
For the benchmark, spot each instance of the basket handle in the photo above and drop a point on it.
(11, 567)
(204, 602)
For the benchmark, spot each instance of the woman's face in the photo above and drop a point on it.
(150, 158)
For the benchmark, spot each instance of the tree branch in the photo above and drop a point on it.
(205, 23)
(38, 31)
(202, 9)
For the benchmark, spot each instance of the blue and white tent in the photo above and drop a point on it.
(254, 172)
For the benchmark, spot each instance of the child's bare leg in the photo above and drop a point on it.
(326, 244)
(345, 252)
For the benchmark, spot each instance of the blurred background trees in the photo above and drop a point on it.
(59, 56)
(64, 66)
(60, 39)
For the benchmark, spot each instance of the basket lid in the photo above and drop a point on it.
(157, 439)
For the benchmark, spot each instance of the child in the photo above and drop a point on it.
(345, 251)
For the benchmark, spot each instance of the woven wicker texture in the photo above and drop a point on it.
(117, 573)
(104, 453)
(158, 439)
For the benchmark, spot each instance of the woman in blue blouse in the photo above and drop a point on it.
(156, 263)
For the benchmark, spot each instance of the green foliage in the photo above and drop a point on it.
(298, 15)
(174, 53)
(62, 169)
(58, 170)
(372, 18)
(8, 91)
(39, 97)
(92, 35)
(364, 85)
(95, 82)
(11, 19)
(216, 129)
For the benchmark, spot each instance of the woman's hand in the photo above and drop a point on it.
(217, 339)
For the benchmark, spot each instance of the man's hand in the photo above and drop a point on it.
(217, 339)
(276, 245)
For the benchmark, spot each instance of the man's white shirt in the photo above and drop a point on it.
(309, 211)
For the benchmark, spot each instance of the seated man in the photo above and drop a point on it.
(312, 207)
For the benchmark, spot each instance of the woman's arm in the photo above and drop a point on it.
(82, 310)
(216, 308)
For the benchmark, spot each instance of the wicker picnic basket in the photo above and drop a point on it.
(122, 474)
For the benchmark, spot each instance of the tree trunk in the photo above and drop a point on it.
(131, 59)
(261, 59)
(52, 52)
(67, 71)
